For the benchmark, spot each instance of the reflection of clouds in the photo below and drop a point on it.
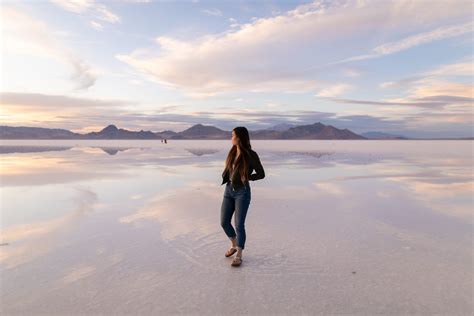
(35, 238)
(23, 170)
(387, 176)
(87, 160)
(77, 273)
(441, 190)
(446, 198)
(182, 211)
(83, 270)
(331, 188)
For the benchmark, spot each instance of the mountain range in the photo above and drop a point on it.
(199, 131)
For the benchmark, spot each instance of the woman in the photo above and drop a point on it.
(241, 161)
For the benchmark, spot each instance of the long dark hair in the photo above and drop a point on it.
(242, 163)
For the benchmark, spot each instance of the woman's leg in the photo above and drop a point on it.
(227, 209)
(242, 203)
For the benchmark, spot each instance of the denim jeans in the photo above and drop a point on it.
(239, 202)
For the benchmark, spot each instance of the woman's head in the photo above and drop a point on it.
(240, 140)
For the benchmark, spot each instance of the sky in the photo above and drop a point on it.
(399, 67)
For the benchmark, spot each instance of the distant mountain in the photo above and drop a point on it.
(319, 131)
(198, 131)
(381, 135)
(23, 132)
(313, 131)
(280, 127)
(112, 132)
(167, 134)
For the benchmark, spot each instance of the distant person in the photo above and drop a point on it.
(166, 142)
(241, 161)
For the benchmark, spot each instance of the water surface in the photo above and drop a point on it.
(132, 227)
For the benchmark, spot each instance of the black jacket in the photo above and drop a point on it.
(254, 164)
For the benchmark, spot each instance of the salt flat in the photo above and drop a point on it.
(336, 227)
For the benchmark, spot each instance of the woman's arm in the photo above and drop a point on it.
(257, 165)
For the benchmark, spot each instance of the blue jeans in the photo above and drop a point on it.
(239, 202)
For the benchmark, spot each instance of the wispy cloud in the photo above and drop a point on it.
(255, 55)
(96, 25)
(335, 90)
(213, 12)
(462, 68)
(79, 113)
(415, 40)
(85, 115)
(90, 9)
(24, 35)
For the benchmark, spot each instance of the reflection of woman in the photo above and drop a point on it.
(241, 161)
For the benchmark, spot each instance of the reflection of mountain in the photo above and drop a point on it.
(114, 150)
(381, 135)
(30, 149)
(202, 151)
(315, 154)
(5, 149)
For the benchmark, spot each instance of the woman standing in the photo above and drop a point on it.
(241, 161)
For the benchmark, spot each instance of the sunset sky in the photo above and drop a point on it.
(401, 67)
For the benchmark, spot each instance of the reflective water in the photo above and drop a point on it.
(130, 227)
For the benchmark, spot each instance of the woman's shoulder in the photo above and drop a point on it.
(253, 154)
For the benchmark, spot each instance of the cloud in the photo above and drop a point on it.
(422, 38)
(79, 114)
(138, 1)
(83, 74)
(462, 68)
(335, 90)
(88, 8)
(279, 52)
(434, 89)
(53, 102)
(423, 115)
(213, 12)
(25, 35)
(423, 102)
(456, 69)
(415, 40)
(96, 25)
(431, 104)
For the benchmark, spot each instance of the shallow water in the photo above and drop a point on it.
(132, 227)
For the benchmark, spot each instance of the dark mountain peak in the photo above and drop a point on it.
(199, 128)
(204, 131)
(280, 127)
(110, 129)
(318, 130)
